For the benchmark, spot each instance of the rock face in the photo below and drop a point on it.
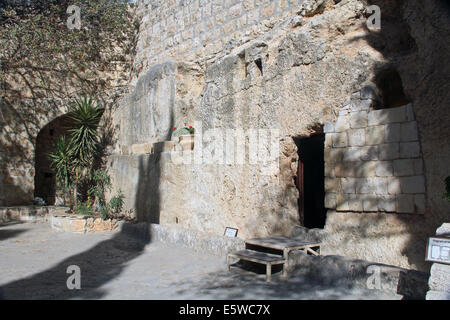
(294, 70)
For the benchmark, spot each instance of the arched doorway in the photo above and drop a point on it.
(44, 179)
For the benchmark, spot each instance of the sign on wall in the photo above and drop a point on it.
(230, 232)
(438, 250)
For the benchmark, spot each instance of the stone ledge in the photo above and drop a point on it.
(29, 213)
(83, 224)
(199, 241)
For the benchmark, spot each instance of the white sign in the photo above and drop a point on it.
(230, 232)
(438, 250)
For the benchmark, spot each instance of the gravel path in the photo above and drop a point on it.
(34, 260)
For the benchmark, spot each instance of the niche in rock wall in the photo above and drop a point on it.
(390, 88)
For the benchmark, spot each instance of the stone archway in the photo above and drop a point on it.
(45, 180)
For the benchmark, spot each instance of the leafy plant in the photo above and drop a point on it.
(100, 182)
(61, 161)
(83, 209)
(116, 202)
(104, 212)
(183, 131)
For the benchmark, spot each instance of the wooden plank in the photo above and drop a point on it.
(312, 251)
(259, 257)
(281, 243)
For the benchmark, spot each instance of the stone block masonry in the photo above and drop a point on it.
(373, 160)
(193, 29)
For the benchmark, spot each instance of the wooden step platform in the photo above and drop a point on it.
(259, 257)
(280, 243)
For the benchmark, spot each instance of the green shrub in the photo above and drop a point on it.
(83, 209)
(104, 212)
(116, 202)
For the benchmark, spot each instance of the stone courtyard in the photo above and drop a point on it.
(34, 260)
(323, 123)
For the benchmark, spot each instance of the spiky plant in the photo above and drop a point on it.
(61, 161)
(85, 116)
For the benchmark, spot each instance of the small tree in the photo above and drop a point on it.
(73, 157)
(84, 138)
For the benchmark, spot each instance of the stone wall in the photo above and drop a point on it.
(293, 72)
(196, 30)
(20, 127)
(373, 159)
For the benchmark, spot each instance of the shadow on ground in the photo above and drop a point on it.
(98, 265)
(243, 283)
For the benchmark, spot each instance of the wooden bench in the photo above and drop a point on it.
(259, 257)
(286, 245)
(279, 243)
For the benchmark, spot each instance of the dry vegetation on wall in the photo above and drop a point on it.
(42, 58)
(45, 65)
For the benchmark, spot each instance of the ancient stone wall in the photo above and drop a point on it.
(200, 30)
(292, 69)
(373, 160)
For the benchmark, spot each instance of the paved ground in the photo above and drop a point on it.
(34, 260)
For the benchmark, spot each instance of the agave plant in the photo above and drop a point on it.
(85, 116)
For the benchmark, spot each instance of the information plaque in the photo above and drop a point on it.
(438, 250)
(230, 232)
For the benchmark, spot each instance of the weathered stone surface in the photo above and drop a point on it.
(339, 140)
(409, 132)
(413, 184)
(388, 151)
(409, 149)
(374, 135)
(358, 120)
(342, 123)
(141, 148)
(405, 203)
(392, 132)
(404, 167)
(384, 169)
(348, 185)
(356, 137)
(385, 116)
(387, 203)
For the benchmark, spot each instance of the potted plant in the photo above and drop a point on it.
(183, 131)
(185, 136)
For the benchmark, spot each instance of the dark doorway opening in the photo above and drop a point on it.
(310, 180)
(45, 178)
